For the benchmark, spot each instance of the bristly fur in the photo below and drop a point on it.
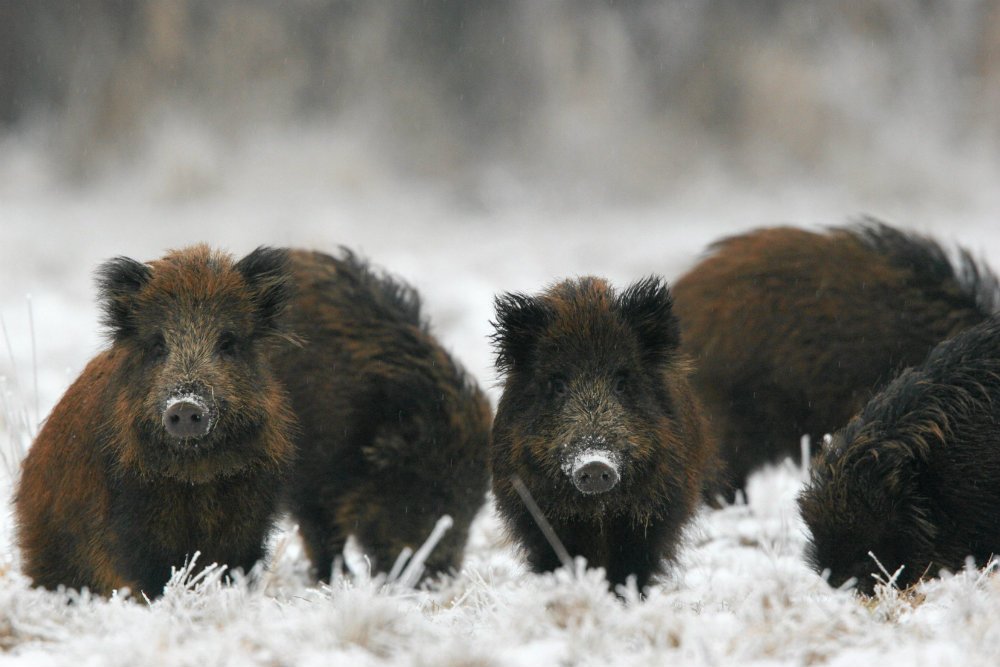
(118, 280)
(395, 297)
(519, 318)
(929, 263)
(914, 477)
(648, 305)
(266, 272)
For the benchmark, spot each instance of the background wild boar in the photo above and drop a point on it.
(393, 431)
(792, 331)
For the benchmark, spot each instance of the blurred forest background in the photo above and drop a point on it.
(612, 99)
(470, 146)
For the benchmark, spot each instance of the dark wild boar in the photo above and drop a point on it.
(393, 432)
(598, 421)
(792, 332)
(915, 478)
(174, 439)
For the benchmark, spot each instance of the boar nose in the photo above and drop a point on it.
(595, 477)
(186, 418)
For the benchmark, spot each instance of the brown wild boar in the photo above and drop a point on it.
(792, 331)
(915, 478)
(393, 432)
(598, 421)
(172, 441)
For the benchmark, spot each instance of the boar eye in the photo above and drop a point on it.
(158, 347)
(620, 383)
(556, 387)
(227, 344)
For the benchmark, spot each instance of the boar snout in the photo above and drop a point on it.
(187, 417)
(594, 471)
(595, 477)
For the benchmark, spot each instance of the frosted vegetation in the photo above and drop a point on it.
(740, 596)
(571, 152)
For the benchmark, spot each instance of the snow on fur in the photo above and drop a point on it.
(591, 455)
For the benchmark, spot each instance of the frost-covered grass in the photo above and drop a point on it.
(741, 593)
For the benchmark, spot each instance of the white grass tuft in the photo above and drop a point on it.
(414, 569)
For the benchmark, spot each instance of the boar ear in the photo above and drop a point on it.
(267, 273)
(896, 464)
(648, 307)
(520, 320)
(118, 281)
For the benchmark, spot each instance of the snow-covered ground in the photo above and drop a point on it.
(741, 594)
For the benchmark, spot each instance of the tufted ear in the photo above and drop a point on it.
(520, 320)
(118, 282)
(648, 307)
(268, 274)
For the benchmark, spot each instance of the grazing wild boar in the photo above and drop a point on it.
(792, 331)
(174, 439)
(598, 421)
(393, 432)
(914, 478)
